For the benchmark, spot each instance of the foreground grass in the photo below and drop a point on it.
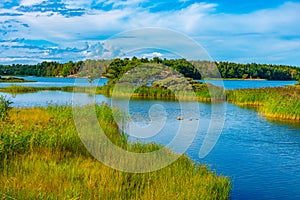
(42, 157)
(281, 102)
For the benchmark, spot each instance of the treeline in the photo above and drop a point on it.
(261, 71)
(49, 69)
(114, 69)
(119, 66)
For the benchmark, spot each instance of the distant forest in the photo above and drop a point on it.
(115, 68)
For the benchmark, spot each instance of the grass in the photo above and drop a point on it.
(170, 88)
(11, 79)
(280, 102)
(16, 89)
(42, 157)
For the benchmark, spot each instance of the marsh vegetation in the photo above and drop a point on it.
(42, 157)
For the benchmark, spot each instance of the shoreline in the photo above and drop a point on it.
(272, 102)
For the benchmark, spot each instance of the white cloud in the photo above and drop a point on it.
(258, 34)
(30, 2)
(153, 54)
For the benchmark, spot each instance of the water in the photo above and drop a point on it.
(228, 84)
(45, 98)
(239, 84)
(56, 82)
(261, 157)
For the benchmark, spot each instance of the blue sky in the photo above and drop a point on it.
(230, 30)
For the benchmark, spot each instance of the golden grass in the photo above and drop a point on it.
(42, 157)
(279, 103)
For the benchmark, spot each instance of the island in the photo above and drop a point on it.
(11, 79)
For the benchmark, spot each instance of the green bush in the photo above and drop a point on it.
(4, 107)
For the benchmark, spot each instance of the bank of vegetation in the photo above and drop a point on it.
(280, 102)
(42, 157)
(170, 88)
(18, 89)
(11, 79)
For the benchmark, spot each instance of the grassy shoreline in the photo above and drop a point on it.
(196, 91)
(11, 79)
(42, 157)
(278, 103)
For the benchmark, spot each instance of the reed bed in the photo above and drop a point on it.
(197, 91)
(279, 102)
(200, 92)
(42, 157)
(16, 89)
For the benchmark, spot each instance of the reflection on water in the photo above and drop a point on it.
(45, 98)
(239, 84)
(261, 157)
(290, 123)
(56, 82)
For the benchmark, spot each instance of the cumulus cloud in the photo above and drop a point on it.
(266, 35)
(153, 54)
(30, 2)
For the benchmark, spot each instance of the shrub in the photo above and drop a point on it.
(4, 107)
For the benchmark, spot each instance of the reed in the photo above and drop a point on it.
(198, 91)
(11, 79)
(42, 157)
(280, 102)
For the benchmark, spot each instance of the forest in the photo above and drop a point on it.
(114, 69)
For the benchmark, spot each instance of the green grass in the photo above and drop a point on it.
(165, 89)
(11, 79)
(169, 88)
(281, 102)
(42, 157)
(15, 89)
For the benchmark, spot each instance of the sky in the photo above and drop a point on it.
(229, 30)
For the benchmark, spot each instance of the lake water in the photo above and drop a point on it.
(56, 82)
(261, 157)
(228, 84)
(239, 84)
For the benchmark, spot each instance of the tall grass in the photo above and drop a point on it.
(161, 90)
(186, 90)
(15, 89)
(42, 157)
(280, 102)
(11, 79)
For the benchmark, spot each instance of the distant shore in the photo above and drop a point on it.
(11, 79)
(237, 79)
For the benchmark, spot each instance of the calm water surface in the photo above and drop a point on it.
(56, 82)
(239, 84)
(228, 84)
(261, 157)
